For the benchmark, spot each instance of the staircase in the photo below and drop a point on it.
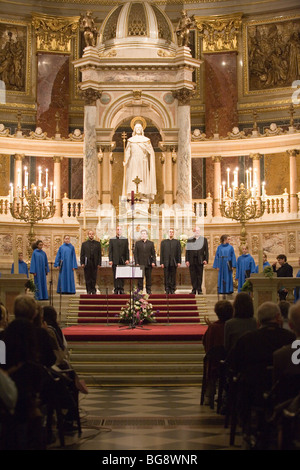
(135, 363)
(111, 364)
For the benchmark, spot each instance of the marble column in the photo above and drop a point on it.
(18, 158)
(174, 173)
(90, 159)
(57, 185)
(256, 157)
(217, 184)
(167, 174)
(184, 163)
(293, 179)
(106, 174)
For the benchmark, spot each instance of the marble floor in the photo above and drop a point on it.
(148, 419)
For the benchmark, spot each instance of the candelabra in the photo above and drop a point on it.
(242, 204)
(32, 205)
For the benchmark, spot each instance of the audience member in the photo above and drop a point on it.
(284, 306)
(8, 392)
(25, 306)
(3, 319)
(243, 320)
(252, 356)
(297, 289)
(213, 342)
(50, 321)
(283, 364)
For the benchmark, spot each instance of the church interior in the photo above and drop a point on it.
(216, 87)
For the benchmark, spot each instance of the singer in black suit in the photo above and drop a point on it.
(144, 255)
(90, 260)
(118, 254)
(170, 259)
(196, 257)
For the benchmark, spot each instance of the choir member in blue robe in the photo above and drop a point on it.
(265, 263)
(66, 261)
(39, 267)
(225, 261)
(23, 268)
(244, 267)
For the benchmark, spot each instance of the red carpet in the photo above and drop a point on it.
(151, 332)
(102, 309)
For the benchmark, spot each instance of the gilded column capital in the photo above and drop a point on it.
(293, 152)
(19, 157)
(57, 159)
(220, 33)
(183, 95)
(216, 158)
(89, 95)
(53, 33)
(255, 156)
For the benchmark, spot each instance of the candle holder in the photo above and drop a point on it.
(242, 204)
(31, 206)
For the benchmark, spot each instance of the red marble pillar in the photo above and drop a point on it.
(221, 97)
(52, 98)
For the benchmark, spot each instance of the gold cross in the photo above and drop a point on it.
(137, 181)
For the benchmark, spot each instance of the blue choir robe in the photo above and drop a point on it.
(39, 266)
(297, 289)
(266, 263)
(23, 268)
(244, 263)
(225, 260)
(66, 261)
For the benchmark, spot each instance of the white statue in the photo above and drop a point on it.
(139, 161)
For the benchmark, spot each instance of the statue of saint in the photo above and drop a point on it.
(90, 33)
(139, 160)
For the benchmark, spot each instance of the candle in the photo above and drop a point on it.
(220, 195)
(40, 193)
(250, 177)
(223, 184)
(228, 179)
(51, 190)
(247, 178)
(40, 176)
(11, 193)
(233, 191)
(18, 178)
(46, 185)
(237, 177)
(263, 191)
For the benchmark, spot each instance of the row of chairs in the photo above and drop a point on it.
(268, 417)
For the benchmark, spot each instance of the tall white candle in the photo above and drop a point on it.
(40, 176)
(46, 185)
(51, 189)
(250, 177)
(223, 184)
(11, 193)
(247, 178)
(228, 178)
(220, 195)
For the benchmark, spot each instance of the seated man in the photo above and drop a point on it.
(284, 270)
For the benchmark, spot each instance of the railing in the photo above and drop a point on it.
(277, 205)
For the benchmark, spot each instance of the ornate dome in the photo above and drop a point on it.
(136, 23)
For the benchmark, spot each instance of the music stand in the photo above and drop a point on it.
(130, 272)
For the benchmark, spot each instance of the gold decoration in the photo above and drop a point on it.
(54, 34)
(138, 119)
(183, 95)
(219, 33)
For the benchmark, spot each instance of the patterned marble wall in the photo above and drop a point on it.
(53, 93)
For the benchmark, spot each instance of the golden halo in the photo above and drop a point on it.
(138, 119)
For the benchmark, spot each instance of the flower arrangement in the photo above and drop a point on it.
(138, 310)
(268, 272)
(30, 285)
(247, 287)
(104, 241)
(183, 240)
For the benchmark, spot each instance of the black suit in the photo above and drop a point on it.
(90, 257)
(196, 254)
(286, 270)
(170, 257)
(118, 254)
(144, 255)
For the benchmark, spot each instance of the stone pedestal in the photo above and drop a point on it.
(11, 285)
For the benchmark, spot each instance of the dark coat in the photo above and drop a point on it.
(118, 251)
(170, 252)
(144, 253)
(90, 253)
(196, 250)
